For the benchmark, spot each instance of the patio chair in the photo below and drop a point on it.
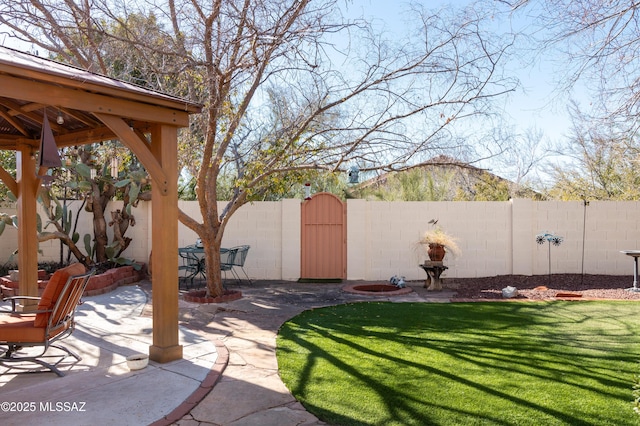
(45, 327)
(190, 263)
(227, 257)
(240, 258)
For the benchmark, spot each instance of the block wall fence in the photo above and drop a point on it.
(495, 238)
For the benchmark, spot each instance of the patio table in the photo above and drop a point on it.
(197, 254)
(635, 254)
(192, 262)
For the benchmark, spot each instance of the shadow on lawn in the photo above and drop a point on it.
(548, 341)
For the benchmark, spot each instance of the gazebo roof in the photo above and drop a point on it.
(29, 85)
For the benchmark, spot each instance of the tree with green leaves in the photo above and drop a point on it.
(491, 188)
(419, 184)
(288, 86)
(603, 164)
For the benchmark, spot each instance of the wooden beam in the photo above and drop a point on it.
(81, 137)
(85, 119)
(164, 238)
(139, 146)
(25, 112)
(13, 122)
(85, 136)
(27, 230)
(31, 91)
(9, 181)
(13, 141)
(32, 107)
(27, 108)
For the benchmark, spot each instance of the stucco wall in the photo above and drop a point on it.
(495, 238)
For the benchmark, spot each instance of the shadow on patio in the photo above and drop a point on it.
(100, 389)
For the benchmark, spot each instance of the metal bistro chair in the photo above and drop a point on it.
(227, 257)
(28, 335)
(190, 263)
(239, 260)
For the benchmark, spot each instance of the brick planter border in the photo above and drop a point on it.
(200, 296)
(376, 289)
(98, 284)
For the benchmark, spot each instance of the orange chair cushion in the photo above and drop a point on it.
(20, 328)
(53, 289)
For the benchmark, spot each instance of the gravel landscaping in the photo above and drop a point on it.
(543, 287)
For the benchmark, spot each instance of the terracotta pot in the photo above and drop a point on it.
(436, 252)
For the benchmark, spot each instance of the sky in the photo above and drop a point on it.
(536, 104)
(533, 105)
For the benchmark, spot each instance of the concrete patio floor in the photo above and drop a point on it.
(229, 374)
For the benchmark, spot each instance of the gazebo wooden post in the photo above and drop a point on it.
(164, 234)
(27, 184)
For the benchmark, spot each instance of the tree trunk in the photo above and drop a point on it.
(99, 232)
(212, 265)
(210, 232)
(99, 206)
(120, 223)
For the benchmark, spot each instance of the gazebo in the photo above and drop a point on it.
(95, 108)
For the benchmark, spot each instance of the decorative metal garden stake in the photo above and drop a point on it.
(551, 238)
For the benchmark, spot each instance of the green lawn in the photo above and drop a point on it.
(551, 363)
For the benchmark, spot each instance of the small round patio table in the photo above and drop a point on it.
(635, 254)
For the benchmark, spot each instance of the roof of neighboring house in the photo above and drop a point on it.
(439, 162)
(465, 176)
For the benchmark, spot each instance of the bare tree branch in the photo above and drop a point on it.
(288, 85)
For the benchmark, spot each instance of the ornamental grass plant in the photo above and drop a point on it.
(437, 236)
(544, 363)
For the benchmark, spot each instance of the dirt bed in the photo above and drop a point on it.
(543, 287)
